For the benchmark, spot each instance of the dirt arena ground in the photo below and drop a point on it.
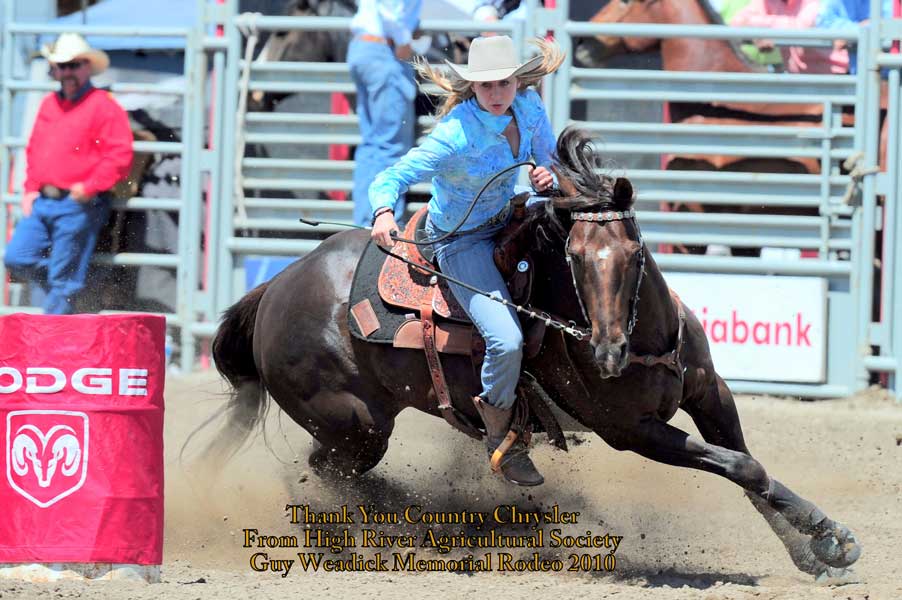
(686, 535)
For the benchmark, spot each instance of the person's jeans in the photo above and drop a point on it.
(385, 93)
(468, 257)
(51, 249)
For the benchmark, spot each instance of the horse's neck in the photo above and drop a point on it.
(693, 54)
(686, 54)
(657, 319)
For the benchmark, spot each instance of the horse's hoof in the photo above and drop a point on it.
(834, 576)
(836, 547)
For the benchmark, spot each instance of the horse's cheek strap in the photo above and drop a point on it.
(501, 450)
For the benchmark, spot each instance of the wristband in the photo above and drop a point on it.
(381, 211)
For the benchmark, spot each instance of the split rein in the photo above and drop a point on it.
(570, 328)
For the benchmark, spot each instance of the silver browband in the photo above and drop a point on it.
(606, 215)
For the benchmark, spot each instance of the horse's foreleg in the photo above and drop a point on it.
(798, 545)
(813, 541)
(831, 542)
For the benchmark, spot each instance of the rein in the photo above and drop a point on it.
(569, 328)
(671, 360)
(397, 238)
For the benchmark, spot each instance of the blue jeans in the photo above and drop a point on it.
(468, 257)
(385, 93)
(51, 249)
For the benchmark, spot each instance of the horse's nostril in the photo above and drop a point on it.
(599, 353)
(624, 350)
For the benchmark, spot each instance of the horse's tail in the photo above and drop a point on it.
(234, 358)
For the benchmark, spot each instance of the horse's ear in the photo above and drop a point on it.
(567, 187)
(623, 193)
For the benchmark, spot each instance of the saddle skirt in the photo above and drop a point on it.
(405, 286)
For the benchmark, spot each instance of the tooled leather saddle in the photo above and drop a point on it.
(399, 303)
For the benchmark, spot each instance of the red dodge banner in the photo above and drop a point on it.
(81, 420)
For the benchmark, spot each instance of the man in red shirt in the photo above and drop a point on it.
(80, 146)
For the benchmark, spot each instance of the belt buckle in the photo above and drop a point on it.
(51, 191)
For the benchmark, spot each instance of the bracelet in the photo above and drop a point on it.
(381, 211)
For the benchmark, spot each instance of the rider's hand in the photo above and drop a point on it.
(540, 178)
(384, 226)
(403, 52)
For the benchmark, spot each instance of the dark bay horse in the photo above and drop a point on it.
(644, 355)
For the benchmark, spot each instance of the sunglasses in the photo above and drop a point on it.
(70, 66)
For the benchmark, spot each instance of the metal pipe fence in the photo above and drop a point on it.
(274, 190)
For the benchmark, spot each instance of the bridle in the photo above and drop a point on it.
(672, 359)
(607, 216)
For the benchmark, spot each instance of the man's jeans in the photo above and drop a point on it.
(468, 257)
(385, 93)
(51, 248)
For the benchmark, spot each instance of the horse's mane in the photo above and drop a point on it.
(582, 186)
(576, 161)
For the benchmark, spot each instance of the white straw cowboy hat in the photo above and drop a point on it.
(71, 46)
(492, 59)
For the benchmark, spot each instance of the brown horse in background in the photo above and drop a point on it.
(641, 356)
(708, 55)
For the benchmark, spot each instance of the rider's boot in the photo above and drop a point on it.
(507, 451)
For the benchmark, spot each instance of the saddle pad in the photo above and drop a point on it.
(379, 314)
(363, 289)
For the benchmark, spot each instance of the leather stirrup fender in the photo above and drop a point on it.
(447, 410)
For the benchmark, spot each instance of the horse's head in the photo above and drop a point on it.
(604, 249)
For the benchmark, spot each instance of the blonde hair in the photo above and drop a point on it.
(455, 89)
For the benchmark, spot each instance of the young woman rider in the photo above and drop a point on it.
(490, 119)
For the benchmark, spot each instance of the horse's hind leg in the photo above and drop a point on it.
(716, 418)
(352, 436)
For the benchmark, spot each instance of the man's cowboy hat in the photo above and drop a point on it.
(71, 46)
(493, 59)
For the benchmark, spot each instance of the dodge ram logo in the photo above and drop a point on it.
(46, 453)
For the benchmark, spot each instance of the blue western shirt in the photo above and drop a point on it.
(464, 150)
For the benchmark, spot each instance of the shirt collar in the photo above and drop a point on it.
(494, 124)
(87, 87)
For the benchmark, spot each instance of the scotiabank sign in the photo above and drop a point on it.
(761, 328)
(81, 420)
